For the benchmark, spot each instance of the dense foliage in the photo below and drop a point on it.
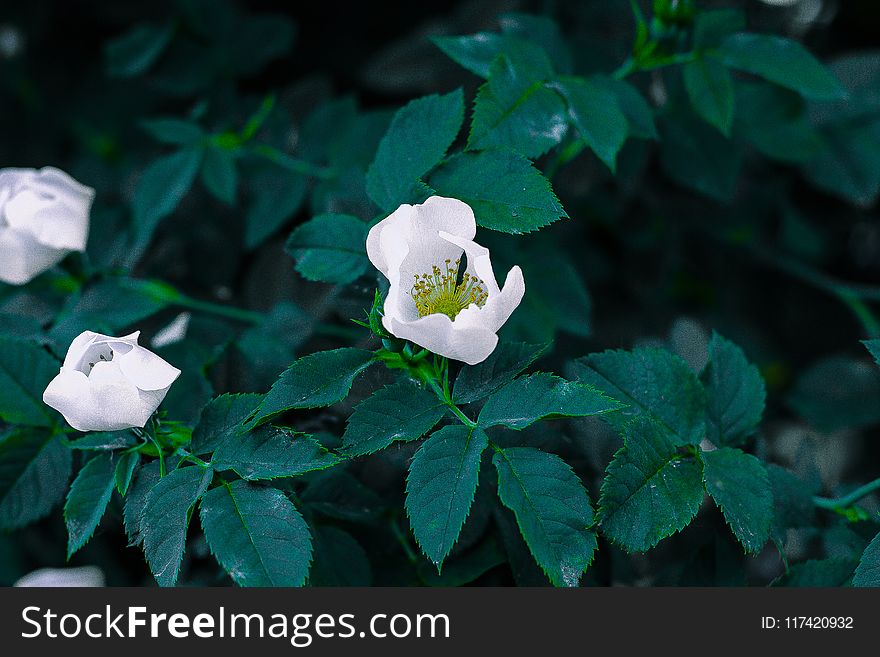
(680, 399)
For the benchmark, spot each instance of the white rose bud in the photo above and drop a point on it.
(44, 215)
(108, 383)
(430, 302)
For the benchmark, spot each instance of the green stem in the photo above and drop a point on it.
(444, 397)
(631, 66)
(847, 500)
(231, 312)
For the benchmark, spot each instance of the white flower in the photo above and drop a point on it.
(90, 576)
(108, 383)
(44, 215)
(419, 249)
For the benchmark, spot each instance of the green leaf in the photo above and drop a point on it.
(34, 471)
(650, 382)
(143, 481)
(698, 157)
(441, 485)
(515, 110)
(416, 141)
(339, 559)
(537, 31)
(650, 490)
(475, 382)
(165, 519)
(868, 571)
(173, 131)
(402, 411)
(739, 484)
(105, 441)
(848, 163)
(257, 535)
(552, 510)
(276, 197)
(124, 471)
(87, 500)
(270, 452)
(873, 347)
(110, 305)
(792, 501)
(711, 27)
(815, 573)
(330, 248)
(528, 399)
(735, 393)
(25, 371)
(137, 50)
(710, 89)
(595, 114)
(639, 114)
(222, 418)
(219, 174)
(475, 52)
(505, 191)
(319, 379)
(161, 189)
(783, 61)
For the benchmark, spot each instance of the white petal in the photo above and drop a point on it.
(439, 334)
(376, 251)
(146, 370)
(22, 257)
(479, 262)
(498, 307)
(88, 576)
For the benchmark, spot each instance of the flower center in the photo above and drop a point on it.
(443, 292)
(95, 356)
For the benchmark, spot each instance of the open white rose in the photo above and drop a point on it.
(108, 383)
(44, 215)
(455, 314)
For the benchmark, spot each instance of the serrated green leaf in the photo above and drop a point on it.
(25, 371)
(165, 519)
(780, 60)
(339, 559)
(504, 190)
(515, 110)
(34, 471)
(552, 509)
(173, 131)
(815, 573)
(137, 50)
(528, 399)
(271, 452)
(125, 467)
(416, 141)
(739, 484)
(143, 481)
(652, 382)
(441, 485)
(161, 189)
(257, 535)
(650, 490)
(277, 195)
(735, 393)
(710, 89)
(220, 419)
(595, 114)
(319, 379)
(330, 248)
(87, 500)
(475, 382)
(219, 174)
(868, 571)
(538, 31)
(475, 52)
(402, 411)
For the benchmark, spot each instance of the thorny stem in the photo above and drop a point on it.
(845, 501)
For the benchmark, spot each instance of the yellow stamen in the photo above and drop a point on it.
(441, 292)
